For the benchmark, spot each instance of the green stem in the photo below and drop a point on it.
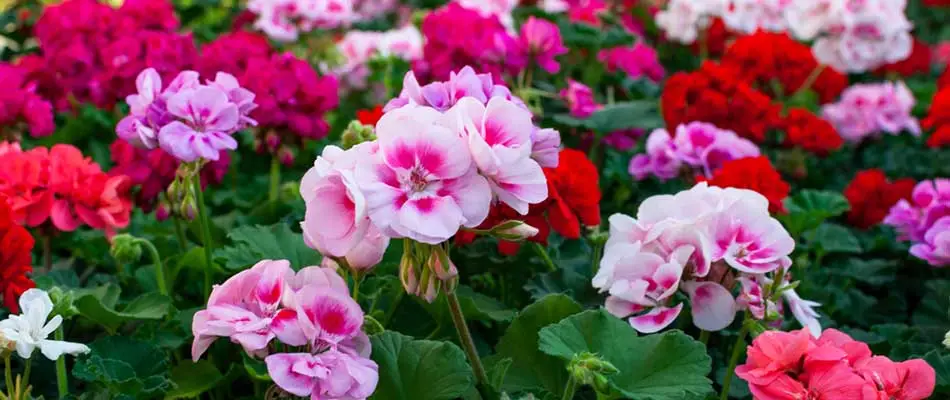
(569, 389)
(7, 370)
(734, 360)
(543, 253)
(61, 380)
(47, 253)
(392, 309)
(26, 372)
(598, 253)
(465, 338)
(593, 153)
(274, 179)
(810, 80)
(180, 233)
(704, 336)
(205, 235)
(159, 266)
(357, 279)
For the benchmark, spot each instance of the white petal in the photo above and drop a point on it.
(53, 349)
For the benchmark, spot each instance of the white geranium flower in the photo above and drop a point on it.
(30, 329)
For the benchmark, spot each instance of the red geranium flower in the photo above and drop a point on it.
(871, 196)
(716, 94)
(370, 116)
(754, 173)
(16, 259)
(764, 58)
(917, 63)
(938, 119)
(804, 129)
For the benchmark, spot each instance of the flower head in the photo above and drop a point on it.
(541, 43)
(15, 258)
(30, 329)
(871, 195)
(869, 110)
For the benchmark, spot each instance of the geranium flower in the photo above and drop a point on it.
(30, 329)
(755, 173)
(16, 245)
(871, 195)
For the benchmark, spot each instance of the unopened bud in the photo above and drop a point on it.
(444, 269)
(513, 231)
(125, 248)
(62, 302)
(259, 146)
(162, 213)
(176, 191)
(589, 369)
(356, 133)
(408, 275)
(188, 209)
(272, 141)
(946, 340)
(286, 156)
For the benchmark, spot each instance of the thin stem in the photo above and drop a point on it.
(357, 279)
(465, 338)
(593, 152)
(598, 253)
(61, 380)
(180, 233)
(274, 178)
(703, 45)
(570, 388)
(159, 266)
(810, 80)
(734, 360)
(392, 309)
(26, 371)
(704, 336)
(47, 252)
(205, 235)
(7, 372)
(543, 252)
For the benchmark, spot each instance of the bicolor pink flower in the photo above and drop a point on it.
(925, 221)
(749, 240)
(499, 138)
(641, 281)
(541, 43)
(580, 99)
(209, 117)
(658, 161)
(331, 375)
(869, 110)
(699, 145)
(423, 183)
(712, 306)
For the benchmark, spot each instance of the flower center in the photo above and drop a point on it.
(417, 181)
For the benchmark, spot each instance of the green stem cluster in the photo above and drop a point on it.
(205, 234)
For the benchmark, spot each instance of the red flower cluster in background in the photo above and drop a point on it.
(91, 52)
(806, 130)
(153, 170)
(717, 39)
(872, 195)
(573, 200)
(61, 186)
(16, 258)
(753, 173)
(938, 119)
(717, 94)
(917, 63)
(370, 116)
(765, 57)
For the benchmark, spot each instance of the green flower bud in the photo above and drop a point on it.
(125, 249)
(513, 231)
(62, 302)
(589, 369)
(356, 133)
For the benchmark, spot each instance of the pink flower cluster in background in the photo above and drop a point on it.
(700, 240)
(359, 47)
(638, 61)
(311, 311)
(285, 20)
(456, 36)
(869, 110)
(925, 221)
(91, 52)
(700, 146)
(187, 119)
(21, 106)
(794, 365)
(62, 187)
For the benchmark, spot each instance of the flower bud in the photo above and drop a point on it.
(589, 369)
(272, 141)
(162, 213)
(356, 133)
(188, 209)
(946, 340)
(175, 191)
(444, 269)
(513, 231)
(408, 275)
(62, 303)
(286, 156)
(125, 249)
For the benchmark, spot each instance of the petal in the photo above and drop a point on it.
(655, 320)
(280, 367)
(713, 307)
(520, 183)
(328, 315)
(287, 328)
(430, 219)
(176, 139)
(53, 349)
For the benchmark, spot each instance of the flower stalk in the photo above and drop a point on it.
(465, 338)
(204, 222)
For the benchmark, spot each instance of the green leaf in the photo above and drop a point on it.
(412, 369)
(669, 365)
(125, 365)
(834, 238)
(627, 115)
(532, 369)
(809, 208)
(940, 361)
(100, 307)
(276, 242)
(192, 379)
(256, 368)
(874, 272)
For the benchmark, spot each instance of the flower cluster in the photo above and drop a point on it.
(61, 186)
(359, 47)
(16, 258)
(871, 196)
(310, 311)
(919, 62)
(580, 99)
(868, 110)
(805, 130)
(938, 118)
(573, 202)
(753, 173)
(794, 365)
(456, 36)
(718, 95)
(702, 240)
(540, 43)
(853, 36)
(685, 20)
(152, 171)
(91, 52)
(30, 329)
(232, 53)
(768, 58)
(285, 20)
(924, 220)
(637, 61)
(21, 108)
(500, 9)
(187, 119)
(696, 146)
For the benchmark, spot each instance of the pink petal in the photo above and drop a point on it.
(280, 367)
(655, 320)
(713, 307)
(328, 315)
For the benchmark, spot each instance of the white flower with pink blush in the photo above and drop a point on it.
(700, 241)
(422, 184)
